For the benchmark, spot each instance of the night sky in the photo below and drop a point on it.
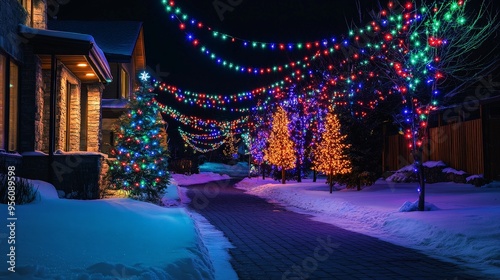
(261, 20)
(281, 21)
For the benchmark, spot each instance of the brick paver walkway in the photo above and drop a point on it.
(273, 243)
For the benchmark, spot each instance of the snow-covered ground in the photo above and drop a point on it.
(116, 238)
(464, 229)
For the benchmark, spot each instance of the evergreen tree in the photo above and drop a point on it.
(331, 153)
(280, 151)
(140, 167)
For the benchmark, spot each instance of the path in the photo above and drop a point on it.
(273, 243)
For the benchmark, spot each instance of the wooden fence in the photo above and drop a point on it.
(459, 145)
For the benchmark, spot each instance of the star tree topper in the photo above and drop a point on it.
(144, 76)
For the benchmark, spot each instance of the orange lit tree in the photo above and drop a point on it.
(331, 153)
(281, 150)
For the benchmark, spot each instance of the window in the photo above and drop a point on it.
(13, 106)
(9, 92)
(3, 75)
(124, 84)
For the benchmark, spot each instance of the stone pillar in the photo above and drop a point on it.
(39, 14)
(94, 116)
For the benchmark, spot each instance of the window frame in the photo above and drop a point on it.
(13, 132)
(124, 85)
(10, 135)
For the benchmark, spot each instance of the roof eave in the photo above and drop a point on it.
(51, 42)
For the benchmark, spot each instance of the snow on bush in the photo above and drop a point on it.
(453, 171)
(413, 206)
(434, 172)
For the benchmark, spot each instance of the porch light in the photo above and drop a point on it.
(82, 65)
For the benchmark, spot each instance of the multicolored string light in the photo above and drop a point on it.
(201, 146)
(185, 21)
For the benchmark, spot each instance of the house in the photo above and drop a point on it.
(51, 88)
(123, 45)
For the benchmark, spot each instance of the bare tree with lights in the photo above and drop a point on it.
(418, 50)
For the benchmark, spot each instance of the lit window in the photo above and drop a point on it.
(13, 105)
(124, 84)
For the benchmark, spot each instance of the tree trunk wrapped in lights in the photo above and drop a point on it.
(331, 153)
(281, 150)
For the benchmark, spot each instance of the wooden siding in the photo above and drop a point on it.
(459, 145)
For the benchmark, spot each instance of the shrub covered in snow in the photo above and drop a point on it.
(435, 172)
(476, 180)
(413, 206)
(24, 192)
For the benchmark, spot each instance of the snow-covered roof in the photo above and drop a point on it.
(68, 43)
(116, 38)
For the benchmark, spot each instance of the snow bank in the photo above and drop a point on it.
(103, 239)
(464, 230)
(217, 247)
(494, 184)
(171, 197)
(238, 170)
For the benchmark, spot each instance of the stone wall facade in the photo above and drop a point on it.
(67, 85)
(11, 15)
(39, 14)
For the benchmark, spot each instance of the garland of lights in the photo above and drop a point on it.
(195, 144)
(254, 70)
(205, 137)
(359, 38)
(185, 20)
(218, 101)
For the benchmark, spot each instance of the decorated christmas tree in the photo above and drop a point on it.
(280, 151)
(331, 153)
(140, 167)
